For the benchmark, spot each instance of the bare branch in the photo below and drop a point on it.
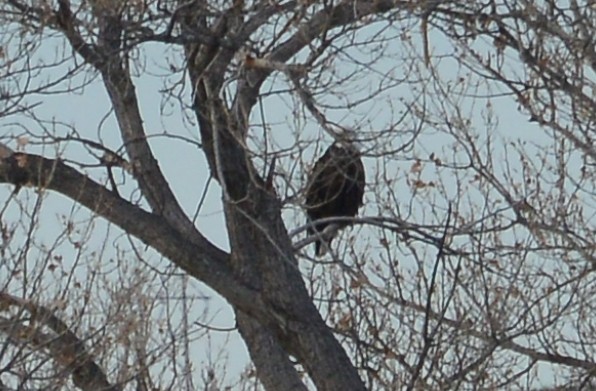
(64, 346)
(198, 257)
(344, 13)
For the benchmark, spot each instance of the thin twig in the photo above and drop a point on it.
(426, 335)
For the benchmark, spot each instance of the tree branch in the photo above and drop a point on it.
(466, 327)
(329, 18)
(64, 347)
(198, 257)
(107, 59)
(65, 22)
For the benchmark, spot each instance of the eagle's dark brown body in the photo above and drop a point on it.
(335, 188)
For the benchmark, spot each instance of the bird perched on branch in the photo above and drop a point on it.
(335, 188)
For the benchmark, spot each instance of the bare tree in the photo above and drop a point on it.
(470, 268)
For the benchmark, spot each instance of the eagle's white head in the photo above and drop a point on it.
(347, 138)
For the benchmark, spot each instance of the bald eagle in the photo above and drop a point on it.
(335, 188)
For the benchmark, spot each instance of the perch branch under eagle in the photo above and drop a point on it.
(335, 188)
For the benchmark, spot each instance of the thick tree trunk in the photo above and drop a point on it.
(256, 227)
(274, 368)
(263, 258)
